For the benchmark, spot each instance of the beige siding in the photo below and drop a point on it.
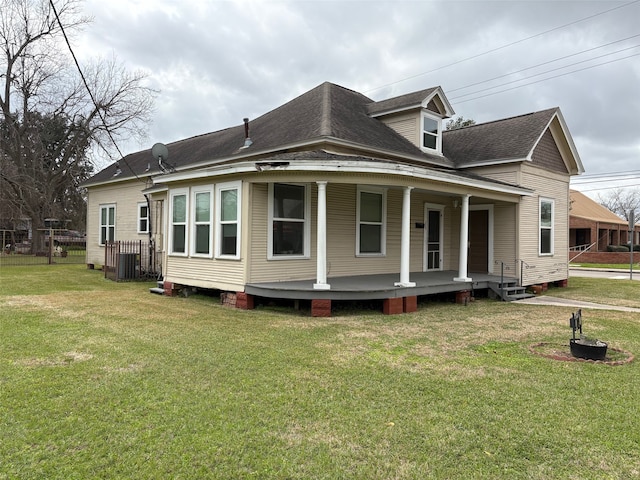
(406, 124)
(544, 268)
(125, 196)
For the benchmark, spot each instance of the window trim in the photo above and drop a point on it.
(100, 225)
(222, 187)
(193, 223)
(306, 253)
(172, 194)
(551, 228)
(383, 223)
(427, 113)
(141, 218)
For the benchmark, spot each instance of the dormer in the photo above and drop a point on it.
(416, 116)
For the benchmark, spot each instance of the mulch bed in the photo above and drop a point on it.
(561, 352)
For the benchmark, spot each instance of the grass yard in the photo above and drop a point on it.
(104, 380)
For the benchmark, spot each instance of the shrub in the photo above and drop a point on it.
(617, 248)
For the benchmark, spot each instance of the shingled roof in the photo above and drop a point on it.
(583, 207)
(508, 139)
(327, 112)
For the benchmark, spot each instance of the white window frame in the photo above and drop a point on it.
(175, 193)
(306, 221)
(438, 120)
(220, 188)
(194, 223)
(146, 218)
(542, 227)
(383, 224)
(433, 207)
(107, 225)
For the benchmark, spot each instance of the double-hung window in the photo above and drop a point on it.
(107, 224)
(202, 221)
(431, 132)
(178, 208)
(143, 217)
(546, 226)
(371, 214)
(289, 213)
(228, 200)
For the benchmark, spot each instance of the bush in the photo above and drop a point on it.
(617, 248)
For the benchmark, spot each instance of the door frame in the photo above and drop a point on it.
(425, 243)
(489, 208)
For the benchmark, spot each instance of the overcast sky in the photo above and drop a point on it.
(215, 62)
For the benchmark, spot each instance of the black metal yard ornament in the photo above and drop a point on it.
(584, 347)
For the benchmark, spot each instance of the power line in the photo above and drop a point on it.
(503, 46)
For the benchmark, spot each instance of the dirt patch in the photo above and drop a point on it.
(556, 351)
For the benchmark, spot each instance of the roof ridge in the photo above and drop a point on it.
(325, 114)
(503, 119)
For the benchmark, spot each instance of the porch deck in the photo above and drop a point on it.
(372, 287)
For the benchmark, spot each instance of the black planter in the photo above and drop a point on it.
(588, 349)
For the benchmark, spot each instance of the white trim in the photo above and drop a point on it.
(107, 225)
(552, 228)
(431, 116)
(425, 247)
(490, 236)
(139, 217)
(172, 194)
(193, 223)
(383, 225)
(223, 187)
(306, 228)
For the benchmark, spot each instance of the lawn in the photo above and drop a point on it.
(104, 380)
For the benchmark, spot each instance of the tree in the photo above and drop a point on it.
(459, 122)
(621, 200)
(49, 123)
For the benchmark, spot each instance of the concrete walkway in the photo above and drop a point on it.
(565, 302)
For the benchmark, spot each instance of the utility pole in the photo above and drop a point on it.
(632, 225)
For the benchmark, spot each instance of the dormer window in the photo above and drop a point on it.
(431, 133)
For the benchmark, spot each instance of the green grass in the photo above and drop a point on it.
(104, 380)
(614, 266)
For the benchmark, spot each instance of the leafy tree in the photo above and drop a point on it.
(49, 124)
(621, 200)
(459, 122)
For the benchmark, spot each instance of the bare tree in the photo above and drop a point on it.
(621, 200)
(49, 122)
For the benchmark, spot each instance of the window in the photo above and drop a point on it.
(228, 220)
(431, 129)
(288, 221)
(107, 224)
(546, 226)
(178, 216)
(202, 198)
(371, 214)
(143, 217)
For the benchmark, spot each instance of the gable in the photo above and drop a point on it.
(547, 155)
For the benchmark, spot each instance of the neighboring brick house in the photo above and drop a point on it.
(335, 196)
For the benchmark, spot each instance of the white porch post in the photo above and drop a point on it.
(464, 241)
(321, 253)
(405, 242)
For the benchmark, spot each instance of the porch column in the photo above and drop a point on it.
(405, 241)
(464, 241)
(321, 254)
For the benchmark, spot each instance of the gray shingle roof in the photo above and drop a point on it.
(403, 101)
(509, 138)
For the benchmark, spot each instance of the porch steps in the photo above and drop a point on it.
(508, 291)
(159, 290)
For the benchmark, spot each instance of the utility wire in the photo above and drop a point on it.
(502, 46)
(93, 99)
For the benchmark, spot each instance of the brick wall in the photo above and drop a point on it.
(604, 257)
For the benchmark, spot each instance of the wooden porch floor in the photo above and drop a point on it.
(371, 287)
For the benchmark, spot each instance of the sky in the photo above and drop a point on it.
(214, 62)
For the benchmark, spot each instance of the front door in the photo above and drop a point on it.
(433, 235)
(478, 241)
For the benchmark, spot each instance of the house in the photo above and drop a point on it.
(335, 196)
(594, 230)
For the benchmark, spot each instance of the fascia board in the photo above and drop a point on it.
(352, 167)
(440, 94)
(490, 163)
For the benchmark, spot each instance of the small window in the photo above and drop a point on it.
(288, 221)
(228, 220)
(546, 226)
(371, 212)
(143, 217)
(107, 224)
(178, 216)
(431, 132)
(202, 221)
